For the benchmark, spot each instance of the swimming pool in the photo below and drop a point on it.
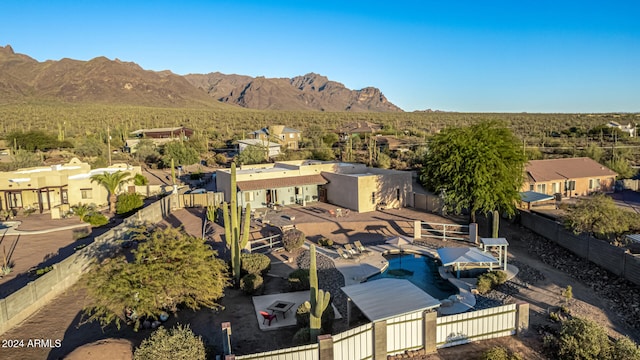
(421, 270)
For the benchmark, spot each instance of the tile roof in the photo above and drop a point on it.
(568, 168)
(281, 182)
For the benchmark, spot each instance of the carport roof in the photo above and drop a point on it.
(385, 298)
(281, 182)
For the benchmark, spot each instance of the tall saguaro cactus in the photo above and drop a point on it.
(231, 214)
(319, 299)
(496, 224)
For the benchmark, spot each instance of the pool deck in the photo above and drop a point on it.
(361, 268)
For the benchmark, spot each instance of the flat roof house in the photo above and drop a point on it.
(280, 134)
(568, 177)
(348, 185)
(45, 188)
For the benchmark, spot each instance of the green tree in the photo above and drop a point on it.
(594, 152)
(599, 215)
(128, 202)
(23, 158)
(168, 269)
(111, 181)
(140, 180)
(253, 154)
(479, 168)
(180, 153)
(147, 152)
(178, 343)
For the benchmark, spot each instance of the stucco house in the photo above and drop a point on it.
(568, 177)
(272, 148)
(629, 128)
(47, 188)
(280, 134)
(347, 185)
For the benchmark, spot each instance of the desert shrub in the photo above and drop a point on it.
(302, 336)
(177, 343)
(580, 339)
(251, 283)
(128, 203)
(325, 242)
(255, 263)
(96, 219)
(292, 239)
(499, 353)
(302, 317)
(328, 316)
(625, 348)
(489, 280)
(299, 280)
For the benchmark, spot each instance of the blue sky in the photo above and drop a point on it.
(472, 56)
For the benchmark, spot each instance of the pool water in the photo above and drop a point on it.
(421, 270)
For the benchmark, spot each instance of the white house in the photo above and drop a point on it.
(274, 149)
(629, 128)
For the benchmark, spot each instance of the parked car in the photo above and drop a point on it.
(196, 191)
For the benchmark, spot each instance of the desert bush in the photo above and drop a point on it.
(96, 219)
(625, 348)
(251, 283)
(255, 263)
(489, 280)
(128, 203)
(299, 280)
(292, 239)
(177, 343)
(328, 316)
(302, 336)
(499, 353)
(326, 242)
(579, 339)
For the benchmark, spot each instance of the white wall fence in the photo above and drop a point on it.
(444, 232)
(411, 331)
(265, 244)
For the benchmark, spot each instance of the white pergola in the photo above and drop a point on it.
(500, 243)
(463, 256)
(379, 299)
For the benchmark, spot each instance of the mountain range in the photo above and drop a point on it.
(116, 82)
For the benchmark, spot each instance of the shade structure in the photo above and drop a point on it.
(399, 240)
(378, 299)
(461, 256)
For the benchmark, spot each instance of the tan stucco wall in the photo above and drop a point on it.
(31, 181)
(582, 186)
(341, 190)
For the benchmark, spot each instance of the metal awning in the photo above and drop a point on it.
(532, 197)
(378, 300)
(464, 255)
(494, 241)
(281, 182)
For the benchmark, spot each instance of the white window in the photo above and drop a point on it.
(590, 184)
(248, 196)
(86, 193)
(554, 188)
(531, 187)
(542, 188)
(291, 136)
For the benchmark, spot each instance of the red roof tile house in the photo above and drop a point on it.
(569, 177)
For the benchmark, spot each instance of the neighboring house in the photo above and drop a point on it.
(347, 185)
(164, 133)
(629, 128)
(46, 188)
(568, 177)
(131, 145)
(280, 134)
(273, 148)
(392, 143)
(357, 128)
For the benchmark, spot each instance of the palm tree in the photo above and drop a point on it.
(111, 181)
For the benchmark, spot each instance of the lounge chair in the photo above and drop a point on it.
(351, 250)
(343, 254)
(361, 247)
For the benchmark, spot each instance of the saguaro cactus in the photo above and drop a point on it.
(496, 224)
(236, 240)
(319, 299)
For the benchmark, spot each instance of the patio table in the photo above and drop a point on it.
(281, 307)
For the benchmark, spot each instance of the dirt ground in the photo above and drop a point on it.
(61, 319)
